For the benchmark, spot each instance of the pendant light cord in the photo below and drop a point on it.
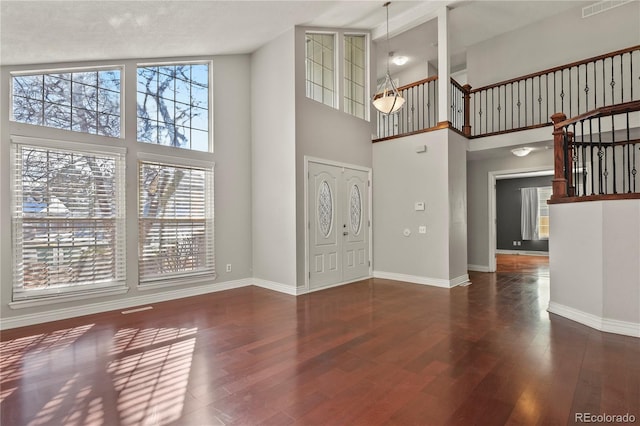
(386, 6)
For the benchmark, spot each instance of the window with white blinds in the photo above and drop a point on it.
(68, 217)
(175, 221)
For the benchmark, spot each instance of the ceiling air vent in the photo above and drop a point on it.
(602, 6)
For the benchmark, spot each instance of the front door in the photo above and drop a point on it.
(338, 212)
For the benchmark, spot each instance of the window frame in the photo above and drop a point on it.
(182, 277)
(367, 74)
(336, 69)
(73, 69)
(543, 191)
(210, 100)
(115, 286)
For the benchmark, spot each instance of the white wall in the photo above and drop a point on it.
(273, 164)
(232, 136)
(594, 263)
(478, 193)
(403, 177)
(559, 40)
(413, 73)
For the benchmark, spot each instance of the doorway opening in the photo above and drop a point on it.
(511, 236)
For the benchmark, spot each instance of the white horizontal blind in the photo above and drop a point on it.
(68, 218)
(175, 221)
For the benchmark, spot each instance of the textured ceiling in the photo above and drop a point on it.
(61, 31)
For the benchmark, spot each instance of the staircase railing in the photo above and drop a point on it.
(597, 154)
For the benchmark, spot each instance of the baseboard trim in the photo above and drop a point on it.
(601, 324)
(100, 307)
(275, 286)
(302, 290)
(415, 279)
(524, 252)
(478, 268)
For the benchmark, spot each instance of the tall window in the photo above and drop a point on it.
(68, 217)
(175, 230)
(173, 105)
(355, 75)
(175, 221)
(87, 101)
(320, 70)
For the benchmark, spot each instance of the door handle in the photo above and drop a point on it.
(345, 233)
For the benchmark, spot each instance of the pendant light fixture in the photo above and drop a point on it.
(387, 99)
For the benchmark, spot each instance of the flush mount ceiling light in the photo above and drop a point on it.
(387, 99)
(522, 151)
(399, 60)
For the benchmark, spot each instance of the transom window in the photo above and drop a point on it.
(173, 105)
(87, 101)
(320, 74)
(355, 92)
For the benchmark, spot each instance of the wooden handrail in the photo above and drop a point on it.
(599, 112)
(418, 83)
(558, 68)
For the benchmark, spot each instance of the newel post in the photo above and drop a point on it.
(559, 182)
(466, 127)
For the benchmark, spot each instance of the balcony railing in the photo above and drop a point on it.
(573, 89)
(521, 103)
(597, 154)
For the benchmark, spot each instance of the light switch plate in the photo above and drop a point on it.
(419, 206)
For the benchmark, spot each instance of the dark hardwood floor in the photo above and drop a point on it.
(376, 352)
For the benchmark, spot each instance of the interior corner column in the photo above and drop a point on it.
(444, 94)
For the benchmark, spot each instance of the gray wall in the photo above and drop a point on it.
(478, 195)
(232, 139)
(273, 161)
(558, 40)
(323, 132)
(508, 211)
(403, 177)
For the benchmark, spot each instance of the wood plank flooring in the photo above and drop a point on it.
(376, 352)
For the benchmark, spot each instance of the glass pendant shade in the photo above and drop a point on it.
(387, 99)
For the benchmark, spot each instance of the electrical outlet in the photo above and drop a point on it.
(519, 243)
(228, 267)
(515, 243)
(422, 229)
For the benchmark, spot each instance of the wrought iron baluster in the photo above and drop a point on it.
(592, 166)
(621, 79)
(578, 86)
(562, 90)
(540, 99)
(612, 84)
(570, 93)
(584, 159)
(595, 82)
(613, 153)
(600, 155)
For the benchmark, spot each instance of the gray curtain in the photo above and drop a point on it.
(529, 214)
